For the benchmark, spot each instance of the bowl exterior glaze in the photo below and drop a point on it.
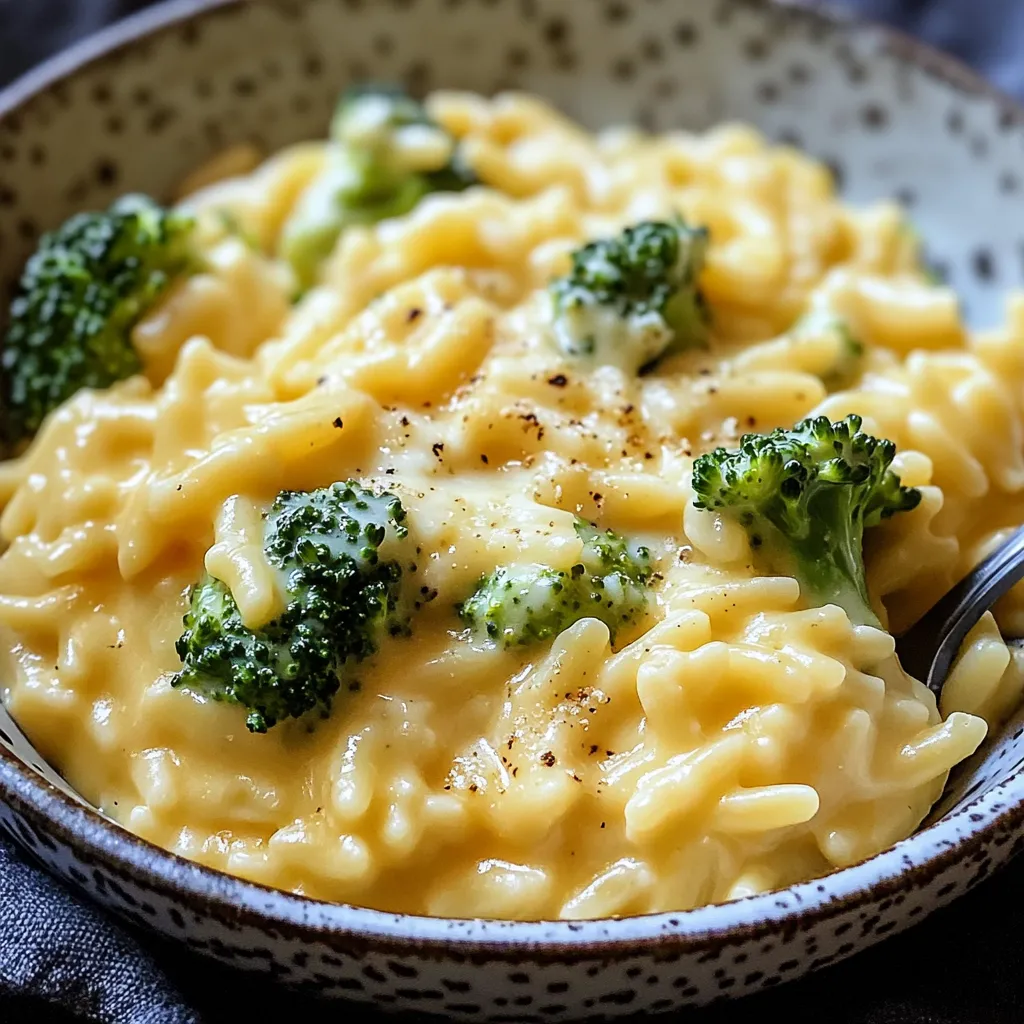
(139, 106)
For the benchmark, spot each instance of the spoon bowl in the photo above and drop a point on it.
(929, 648)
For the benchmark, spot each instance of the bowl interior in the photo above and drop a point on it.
(890, 122)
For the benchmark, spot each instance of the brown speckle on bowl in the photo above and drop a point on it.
(652, 50)
(755, 49)
(418, 78)
(685, 34)
(623, 69)
(159, 119)
(984, 264)
(106, 172)
(905, 196)
(244, 86)
(875, 117)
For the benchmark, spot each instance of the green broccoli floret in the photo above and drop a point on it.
(805, 497)
(913, 238)
(340, 597)
(631, 299)
(81, 293)
(849, 351)
(849, 361)
(369, 176)
(230, 224)
(530, 603)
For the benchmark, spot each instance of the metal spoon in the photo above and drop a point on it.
(927, 650)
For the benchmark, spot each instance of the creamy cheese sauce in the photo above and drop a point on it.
(734, 741)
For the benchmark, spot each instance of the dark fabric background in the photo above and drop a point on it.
(965, 965)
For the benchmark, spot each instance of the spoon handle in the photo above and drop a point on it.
(928, 648)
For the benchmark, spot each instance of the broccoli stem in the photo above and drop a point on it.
(828, 561)
(805, 497)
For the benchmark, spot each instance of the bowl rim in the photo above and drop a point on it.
(990, 817)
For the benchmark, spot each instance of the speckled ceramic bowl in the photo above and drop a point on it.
(140, 105)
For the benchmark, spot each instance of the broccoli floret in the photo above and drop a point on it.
(846, 367)
(805, 497)
(340, 598)
(81, 293)
(911, 236)
(631, 299)
(526, 604)
(230, 224)
(849, 361)
(386, 156)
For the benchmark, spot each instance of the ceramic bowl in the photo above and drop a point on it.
(140, 105)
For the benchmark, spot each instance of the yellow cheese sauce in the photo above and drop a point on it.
(732, 742)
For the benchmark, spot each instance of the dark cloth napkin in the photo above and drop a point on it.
(58, 949)
(63, 960)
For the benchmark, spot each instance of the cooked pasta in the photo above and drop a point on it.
(731, 740)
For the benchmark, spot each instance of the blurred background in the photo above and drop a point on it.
(984, 33)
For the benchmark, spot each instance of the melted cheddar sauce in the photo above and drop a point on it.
(734, 742)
